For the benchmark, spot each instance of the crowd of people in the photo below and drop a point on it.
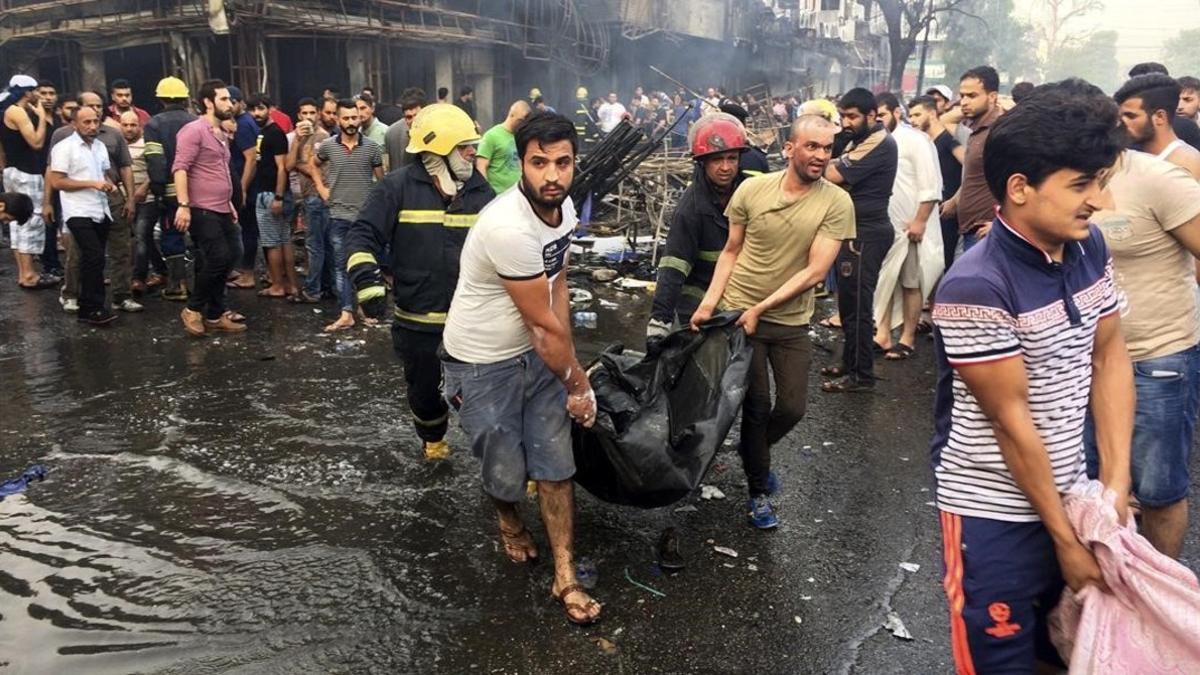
(1046, 242)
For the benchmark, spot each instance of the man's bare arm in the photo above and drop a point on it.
(725, 264)
(1112, 405)
(821, 255)
(551, 335)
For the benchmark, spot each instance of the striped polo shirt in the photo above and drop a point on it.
(1007, 298)
(350, 173)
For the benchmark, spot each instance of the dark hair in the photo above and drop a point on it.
(1188, 83)
(368, 90)
(986, 75)
(119, 83)
(46, 83)
(1029, 139)
(367, 98)
(1157, 91)
(333, 88)
(464, 91)
(208, 91)
(347, 103)
(307, 100)
(546, 127)
(888, 100)
(1021, 91)
(443, 92)
(860, 99)
(927, 102)
(64, 99)
(18, 205)
(414, 97)
(1148, 67)
(258, 100)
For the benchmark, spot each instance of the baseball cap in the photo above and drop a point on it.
(943, 90)
(23, 81)
(235, 94)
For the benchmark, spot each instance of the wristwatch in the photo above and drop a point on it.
(186, 206)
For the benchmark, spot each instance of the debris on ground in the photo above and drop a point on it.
(711, 492)
(896, 626)
(604, 275)
(580, 298)
(752, 567)
(642, 586)
(725, 550)
(798, 619)
(37, 472)
(909, 567)
(635, 284)
(607, 646)
(687, 508)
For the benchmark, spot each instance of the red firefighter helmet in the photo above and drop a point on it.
(718, 132)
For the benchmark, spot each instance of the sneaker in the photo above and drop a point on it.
(762, 513)
(69, 304)
(193, 322)
(669, 557)
(100, 317)
(129, 305)
(225, 324)
(437, 450)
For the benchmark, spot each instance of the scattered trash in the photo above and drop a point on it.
(618, 631)
(903, 459)
(725, 550)
(316, 311)
(827, 443)
(812, 580)
(268, 357)
(635, 284)
(896, 626)
(11, 487)
(909, 567)
(586, 573)
(752, 567)
(806, 598)
(818, 520)
(930, 504)
(798, 619)
(580, 298)
(584, 319)
(604, 275)
(642, 586)
(807, 447)
(730, 566)
(606, 646)
(607, 304)
(688, 508)
(711, 492)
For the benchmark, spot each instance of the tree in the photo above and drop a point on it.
(1054, 28)
(1179, 53)
(1094, 59)
(995, 37)
(906, 21)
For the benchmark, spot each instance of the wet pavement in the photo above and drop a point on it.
(257, 504)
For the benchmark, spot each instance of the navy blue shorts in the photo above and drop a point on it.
(1001, 580)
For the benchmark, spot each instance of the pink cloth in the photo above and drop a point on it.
(1150, 623)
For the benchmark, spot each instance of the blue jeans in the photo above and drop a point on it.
(316, 241)
(1168, 397)
(338, 230)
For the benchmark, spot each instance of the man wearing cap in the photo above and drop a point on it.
(424, 210)
(23, 135)
(160, 134)
(943, 95)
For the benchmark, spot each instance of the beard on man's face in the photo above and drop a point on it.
(554, 200)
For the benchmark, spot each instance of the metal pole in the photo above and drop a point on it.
(924, 53)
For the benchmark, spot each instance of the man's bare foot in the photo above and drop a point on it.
(582, 609)
(273, 292)
(345, 321)
(518, 544)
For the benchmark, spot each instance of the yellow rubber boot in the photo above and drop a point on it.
(437, 450)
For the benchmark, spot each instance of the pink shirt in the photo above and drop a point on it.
(203, 153)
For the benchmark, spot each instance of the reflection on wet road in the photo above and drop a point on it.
(258, 504)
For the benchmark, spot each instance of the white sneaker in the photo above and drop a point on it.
(129, 305)
(69, 304)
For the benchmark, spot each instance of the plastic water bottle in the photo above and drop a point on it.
(584, 319)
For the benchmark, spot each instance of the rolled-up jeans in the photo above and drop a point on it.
(316, 241)
(338, 230)
(146, 256)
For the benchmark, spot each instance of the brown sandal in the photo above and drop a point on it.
(576, 607)
(513, 546)
(833, 371)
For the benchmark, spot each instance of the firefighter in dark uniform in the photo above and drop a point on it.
(424, 210)
(585, 126)
(754, 160)
(699, 227)
(160, 135)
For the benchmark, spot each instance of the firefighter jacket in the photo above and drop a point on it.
(160, 135)
(425, 233)
(698, 233)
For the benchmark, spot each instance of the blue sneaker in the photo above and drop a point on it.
(773, 484)
(762, 514)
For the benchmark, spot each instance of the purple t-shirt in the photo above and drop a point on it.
(203, 153)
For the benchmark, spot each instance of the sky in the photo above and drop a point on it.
(1142, 25)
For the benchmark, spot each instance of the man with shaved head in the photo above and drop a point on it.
(768, 272)
(497, 155)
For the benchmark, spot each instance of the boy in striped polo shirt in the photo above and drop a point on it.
(1027, 334)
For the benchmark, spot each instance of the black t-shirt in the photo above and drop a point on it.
(271, 142)
(869, 169)
(951, 167)
(1187, 131)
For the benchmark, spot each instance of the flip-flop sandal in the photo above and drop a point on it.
(845, 385)
(239, 285)
(235, 316)
(514, 540)
(827, 322)
(576, 607)
(833, 371)
(879, 349)
(923, 327)
(899, 353)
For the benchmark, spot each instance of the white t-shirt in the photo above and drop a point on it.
(610, 115)
(508, 241)
(80, 161)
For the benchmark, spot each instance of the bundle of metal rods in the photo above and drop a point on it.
(613, 159)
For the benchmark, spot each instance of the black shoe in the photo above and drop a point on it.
(101, 317)
(669, 557)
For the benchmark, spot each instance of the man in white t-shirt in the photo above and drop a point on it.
(610, 113)
(509, 364)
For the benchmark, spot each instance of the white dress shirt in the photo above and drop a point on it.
(84, 162)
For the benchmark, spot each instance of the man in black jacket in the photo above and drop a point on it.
(160, 135)
(425, 210)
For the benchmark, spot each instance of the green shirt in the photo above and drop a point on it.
(499, 148)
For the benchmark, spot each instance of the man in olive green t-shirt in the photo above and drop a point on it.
(496, 158)
(785, 230)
